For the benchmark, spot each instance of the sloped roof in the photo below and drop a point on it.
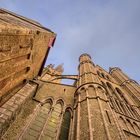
(14, 18)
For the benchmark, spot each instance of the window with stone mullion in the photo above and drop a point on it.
(51, 129)
(65, 127)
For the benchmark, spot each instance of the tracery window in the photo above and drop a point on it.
(45, 122)
(50, 132)
(36, 125)
(65, 127)
(111, 90)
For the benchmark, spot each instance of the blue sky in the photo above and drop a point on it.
(109, 30)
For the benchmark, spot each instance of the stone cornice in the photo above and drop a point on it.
(113, 69)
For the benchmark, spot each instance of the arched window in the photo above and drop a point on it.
(98, 73)
(103, 75)
(51, 129)
(120, 94)
(65, 127)
(119, 107)
(38, 120)
(111, 90)
(110, 87)
(134, 112)
(104, 85)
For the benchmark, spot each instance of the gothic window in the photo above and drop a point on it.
(65, 127)
(110, 87)
(102, 75)
(135, 113)
(34, 128)
(111, 90)
(52, 127)
(104, 85)
(120, 94)
(99, 74)
(124, 108)
(119, 107)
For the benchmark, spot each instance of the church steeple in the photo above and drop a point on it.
(59, 68)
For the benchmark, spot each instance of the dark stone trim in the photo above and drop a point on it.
(97, 97)
(87, 73)
(89, 83)
(87, 61)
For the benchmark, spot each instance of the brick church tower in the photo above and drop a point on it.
(106, 104)
(36, 105)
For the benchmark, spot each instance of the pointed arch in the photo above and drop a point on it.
(69, 107)
(99, 74)
(52, 128)
(110, 86)
(48, 100)
(102, 74)
(65, 126)
(120, 94)
(61, 101)
(36, 125)
(111, 90)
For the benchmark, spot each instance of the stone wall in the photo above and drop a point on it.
(23, 46)
(13, 106)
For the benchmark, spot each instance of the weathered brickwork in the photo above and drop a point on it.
(23, 46)
(13, 106)
(113, 113)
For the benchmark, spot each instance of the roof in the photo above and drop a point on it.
(24, 19)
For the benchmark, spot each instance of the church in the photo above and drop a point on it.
(35, 105)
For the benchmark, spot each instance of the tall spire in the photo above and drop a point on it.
(60, 68)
